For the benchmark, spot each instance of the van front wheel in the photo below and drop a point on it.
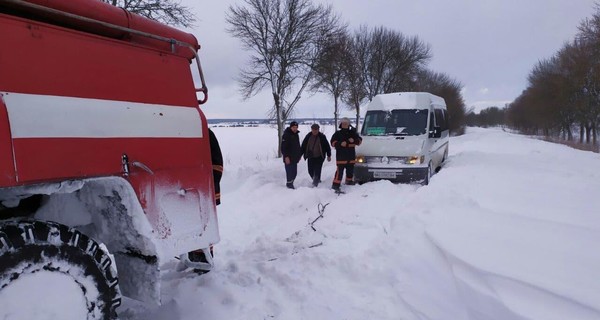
(429, 174)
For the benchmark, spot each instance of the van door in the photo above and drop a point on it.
(436, 151)
(7, 164)
(430, 142)
(442, 141)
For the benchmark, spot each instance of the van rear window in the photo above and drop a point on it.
(405, 122)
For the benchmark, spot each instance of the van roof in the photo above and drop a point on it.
(405, 100)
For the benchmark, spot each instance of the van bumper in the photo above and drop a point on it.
(365, 174)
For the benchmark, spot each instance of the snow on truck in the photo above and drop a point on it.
(105, 166)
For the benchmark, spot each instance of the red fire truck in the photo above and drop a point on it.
(105, 167)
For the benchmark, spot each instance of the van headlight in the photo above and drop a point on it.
(416, 159)
(361, 159)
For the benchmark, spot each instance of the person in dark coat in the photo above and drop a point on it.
(344, 141)
(291, 152)
(315, 148)
(217, 164)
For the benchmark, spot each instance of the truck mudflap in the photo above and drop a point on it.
(187, 222)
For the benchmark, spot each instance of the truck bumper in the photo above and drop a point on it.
(400, 175)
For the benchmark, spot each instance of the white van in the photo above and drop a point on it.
(405, 138)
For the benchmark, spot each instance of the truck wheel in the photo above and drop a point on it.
(36, 257)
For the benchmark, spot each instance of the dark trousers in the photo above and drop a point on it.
(339, 173)
(314, 169)
(291, 170)
(217, 180)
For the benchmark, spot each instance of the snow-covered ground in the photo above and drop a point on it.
(508, 229)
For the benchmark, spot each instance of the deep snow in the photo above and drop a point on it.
(508, 229)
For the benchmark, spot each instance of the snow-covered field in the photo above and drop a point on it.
(508, 229)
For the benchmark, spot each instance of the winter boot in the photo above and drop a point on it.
(290, 185)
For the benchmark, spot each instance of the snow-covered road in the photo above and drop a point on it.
(508, 229)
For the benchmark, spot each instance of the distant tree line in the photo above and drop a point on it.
(563, 93)
(488, 117)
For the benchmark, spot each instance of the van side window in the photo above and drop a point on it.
(431, 121)
(441, 119)
(446, 120)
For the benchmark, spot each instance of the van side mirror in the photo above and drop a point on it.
(436, 133)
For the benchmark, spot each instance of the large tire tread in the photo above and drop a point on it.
(41, 245)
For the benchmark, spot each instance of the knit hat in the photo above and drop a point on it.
(315, 126)
(346, 120)
(293, 124)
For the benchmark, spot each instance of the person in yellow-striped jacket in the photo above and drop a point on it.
(217, 164)
(345, 141)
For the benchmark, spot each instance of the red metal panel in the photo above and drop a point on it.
(37, 58)
(42, 59)
(40, 159)
(7, 169)
(104, 12)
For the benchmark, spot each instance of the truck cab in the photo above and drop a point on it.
(105, 161)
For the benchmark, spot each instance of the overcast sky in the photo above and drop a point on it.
(488, 45)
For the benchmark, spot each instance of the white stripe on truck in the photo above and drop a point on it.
(44, 116)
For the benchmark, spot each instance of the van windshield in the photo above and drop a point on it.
(406, 122)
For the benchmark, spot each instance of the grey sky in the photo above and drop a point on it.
(488, 45)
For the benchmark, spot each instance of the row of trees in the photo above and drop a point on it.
(297, 46)
(488, 117)
(563, 92)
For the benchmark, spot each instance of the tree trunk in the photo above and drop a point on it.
(357, 118)
(335, 112)
(280, 121)
(581, 133)
(587, 134)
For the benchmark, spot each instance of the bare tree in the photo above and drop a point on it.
(329, 70)
(588, 39)
(442, 85)
(391, 59)
(565, 89)
(166, 11)
(354, 63)
(285, 38)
